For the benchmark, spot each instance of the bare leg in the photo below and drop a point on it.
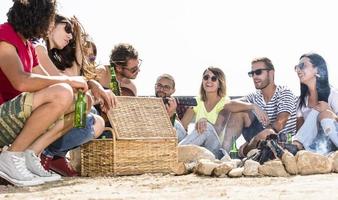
(48, 105)
(221, 122)
(60, 128)
(235, 125)
(98, 126)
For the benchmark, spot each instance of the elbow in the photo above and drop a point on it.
(20, 86)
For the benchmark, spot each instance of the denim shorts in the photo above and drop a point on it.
(251, 131)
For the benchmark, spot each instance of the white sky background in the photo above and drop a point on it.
(183, 37)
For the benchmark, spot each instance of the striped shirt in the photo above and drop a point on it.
(283, 100)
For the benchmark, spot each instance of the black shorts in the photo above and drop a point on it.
(251, 131)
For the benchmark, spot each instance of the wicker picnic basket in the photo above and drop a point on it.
(144, 141)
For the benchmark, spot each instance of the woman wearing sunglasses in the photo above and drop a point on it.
(209, 104)
(317, 107)
(63, 52)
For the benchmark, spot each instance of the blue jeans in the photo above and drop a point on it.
(72, 139)
(208, 139)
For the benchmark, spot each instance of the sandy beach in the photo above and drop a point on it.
(159, 186)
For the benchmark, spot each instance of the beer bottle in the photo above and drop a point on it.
(289, 138)
(172, 119)
(233, 151)
(80, 110)
(114, 84)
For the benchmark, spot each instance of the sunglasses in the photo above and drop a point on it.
(68, 27)
(213, 78)
(131, 70)
(300, 66)
(257, 72)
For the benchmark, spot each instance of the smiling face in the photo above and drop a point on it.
(130, 70)
(210, 82)
(60, 35)
(164, 87)
(306, 71)
(263, 79)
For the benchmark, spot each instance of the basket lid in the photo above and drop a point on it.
(139, 118)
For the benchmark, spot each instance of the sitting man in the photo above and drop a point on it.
(124, 59)
(31, 105)
(269, 110)
(165, 87)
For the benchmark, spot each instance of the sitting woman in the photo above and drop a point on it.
(63, 53)
(318, 107)
(209, 104)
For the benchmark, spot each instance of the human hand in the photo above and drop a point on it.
(322, 106)
(263, 134)
(171, 106)
(78, 82)
(201, 125)
(106, 98)
(261, 115)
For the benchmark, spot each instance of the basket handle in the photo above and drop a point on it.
(114, 146)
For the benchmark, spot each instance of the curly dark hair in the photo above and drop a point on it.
(121, 54)
(31, 18)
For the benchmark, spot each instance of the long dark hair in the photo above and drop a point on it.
(322, 80)
(64, 58)
(31, 18)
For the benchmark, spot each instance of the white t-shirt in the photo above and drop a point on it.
(332, 101)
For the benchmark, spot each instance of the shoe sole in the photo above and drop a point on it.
(19, 183)
(49, 178)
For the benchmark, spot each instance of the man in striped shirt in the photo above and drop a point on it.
(271, 109)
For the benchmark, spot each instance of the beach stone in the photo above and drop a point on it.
(312, 163)
(222, 169)
(251, 168)
(334, 158)
(205, 167)
(237, 172)
(189, 153)
(184, 168)
(273, 168)
(289, 162)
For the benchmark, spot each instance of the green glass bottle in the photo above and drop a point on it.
(80, 111)
(172, 119)
(234, 150)
(289, 138)
(114, 85)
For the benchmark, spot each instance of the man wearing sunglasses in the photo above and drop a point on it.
(124, 59)
(271, 109)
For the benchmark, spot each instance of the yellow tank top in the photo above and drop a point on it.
(201, 112)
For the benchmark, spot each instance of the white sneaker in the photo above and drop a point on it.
(33, 164)
(13, 169)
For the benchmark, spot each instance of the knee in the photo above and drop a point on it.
(327, 114)
(63, 94)
(98, 126)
